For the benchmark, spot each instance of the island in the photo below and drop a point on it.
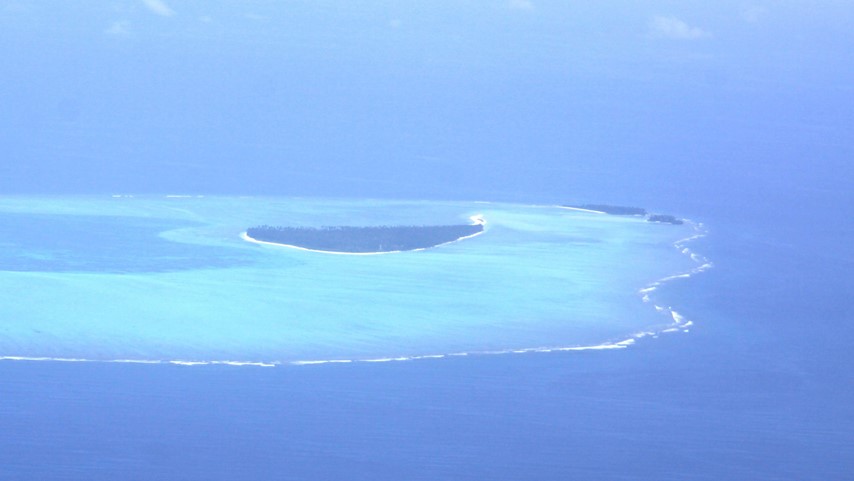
(664, 218)
(364, 239)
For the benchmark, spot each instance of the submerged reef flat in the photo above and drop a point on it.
(624, 210)
(610, 209)
(352, 239)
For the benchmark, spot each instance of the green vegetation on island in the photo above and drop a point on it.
(363, 239)
(664, 218)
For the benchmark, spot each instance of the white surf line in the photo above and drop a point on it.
(329, 361)
(678, 321)
(179, 362)
(621, 344)
(476, 219)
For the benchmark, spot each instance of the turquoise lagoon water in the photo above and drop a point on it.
(169, 279)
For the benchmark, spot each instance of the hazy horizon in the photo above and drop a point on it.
(491, 100)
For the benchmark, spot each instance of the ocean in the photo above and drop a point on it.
(141, 338)
(743, 393)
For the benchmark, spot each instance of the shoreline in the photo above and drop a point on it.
(476, 219)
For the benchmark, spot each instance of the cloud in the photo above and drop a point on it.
(120, 28)
(672, 27)
(159, 7)
(520, 4)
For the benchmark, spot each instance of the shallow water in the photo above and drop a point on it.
(169, 279)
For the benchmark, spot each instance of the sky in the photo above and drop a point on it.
(502, 100)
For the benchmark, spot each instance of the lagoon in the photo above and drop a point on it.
(169, 279)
